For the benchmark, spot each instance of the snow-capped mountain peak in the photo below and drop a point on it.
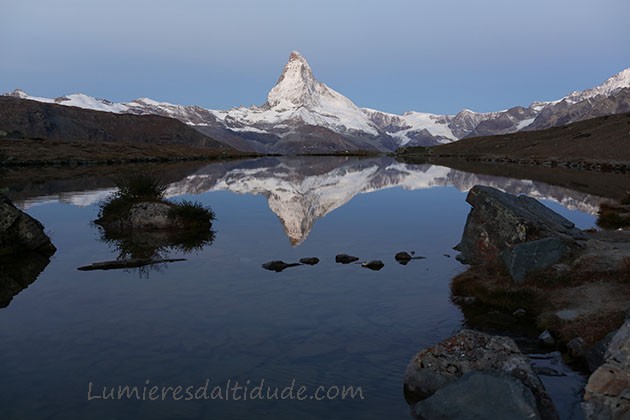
(610, 86)
(17, 93)
(296, 85)
(299, 99)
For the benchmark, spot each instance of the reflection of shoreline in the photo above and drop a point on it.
(19, 272)
(300, 190)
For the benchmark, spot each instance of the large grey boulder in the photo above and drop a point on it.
(20, 233)
(151, 215)
(480, 396)
(607, 393)
(144, 216)
(436, 367)
(514, 231)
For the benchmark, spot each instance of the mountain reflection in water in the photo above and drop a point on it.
(301, 190)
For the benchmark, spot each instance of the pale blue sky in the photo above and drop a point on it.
(396, 55)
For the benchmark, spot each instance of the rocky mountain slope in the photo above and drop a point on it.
(603, 140)
(49, 121)
(303, 115)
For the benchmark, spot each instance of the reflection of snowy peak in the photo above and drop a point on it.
(300, 194)
(303, 115)
(301, 190)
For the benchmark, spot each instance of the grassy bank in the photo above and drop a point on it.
(25, 152)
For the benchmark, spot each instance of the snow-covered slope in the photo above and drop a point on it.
(412, 127)
(303, 115)
(609, 87)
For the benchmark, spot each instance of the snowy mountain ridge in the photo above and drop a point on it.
(302, 114)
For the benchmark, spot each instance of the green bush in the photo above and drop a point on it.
(140, 187)
(192, 214)
(131, 189)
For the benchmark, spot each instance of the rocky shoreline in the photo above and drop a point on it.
(621, 167)
(573, 286)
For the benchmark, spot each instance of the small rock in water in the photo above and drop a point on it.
(373, 265)
(345, 259)
(447, 255)
(546, 338)
(309, 260)
(403, 257)
(278, 266)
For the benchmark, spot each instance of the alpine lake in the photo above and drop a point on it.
(219, 320)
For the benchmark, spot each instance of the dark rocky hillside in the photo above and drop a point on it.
(601, 139)
(22, 118)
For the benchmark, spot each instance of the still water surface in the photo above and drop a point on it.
(219, 316)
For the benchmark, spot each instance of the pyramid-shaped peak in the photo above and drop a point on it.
(295, 55)
(296, 84)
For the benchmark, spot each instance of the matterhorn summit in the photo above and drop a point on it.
(296, 85)
(297, 101)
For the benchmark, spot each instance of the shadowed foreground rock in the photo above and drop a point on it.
(437, 368)
(19, 232)
(607, 393)
(480, 395)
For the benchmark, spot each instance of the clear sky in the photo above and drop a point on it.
(397, 55)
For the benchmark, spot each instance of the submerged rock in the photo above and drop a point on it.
(309, 260)
(278, 266)
(20, 233)
(128, 263)
(402, 257)
(436, 367)
(345, 258)
(517, 232)
(375, 265)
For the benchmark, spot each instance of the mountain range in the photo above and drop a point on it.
(303, 115)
